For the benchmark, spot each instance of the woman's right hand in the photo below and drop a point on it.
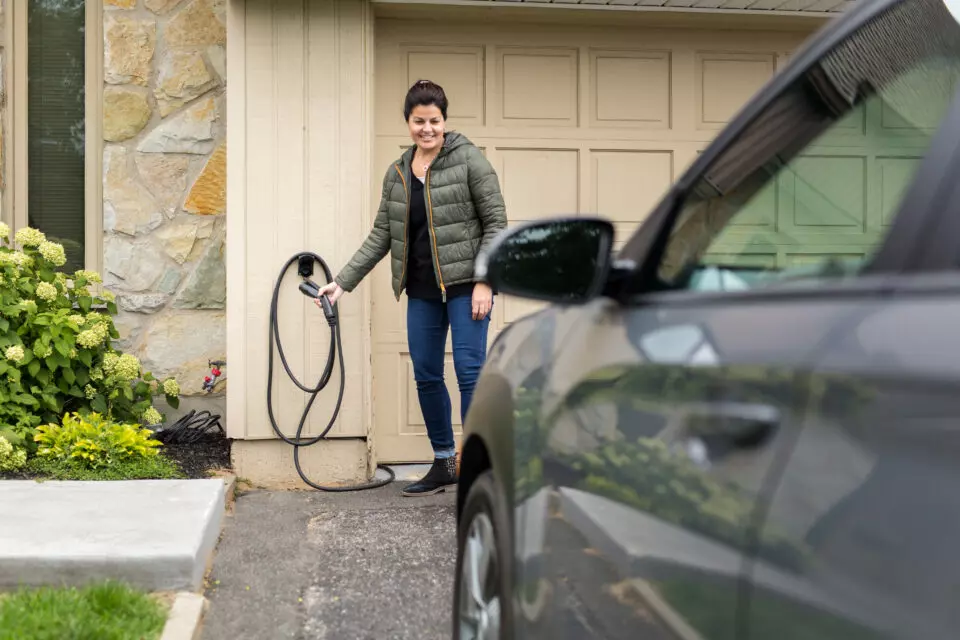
(332, 290)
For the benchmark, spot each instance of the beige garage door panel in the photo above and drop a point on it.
(575, 121)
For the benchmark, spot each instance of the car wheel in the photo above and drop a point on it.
(482, 594)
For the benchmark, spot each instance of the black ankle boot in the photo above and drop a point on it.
(442, 474)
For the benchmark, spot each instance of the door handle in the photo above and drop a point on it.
(736, 424)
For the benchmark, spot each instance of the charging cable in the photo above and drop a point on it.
(310, 289)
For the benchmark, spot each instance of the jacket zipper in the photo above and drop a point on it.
(406, 227)
(433, 233)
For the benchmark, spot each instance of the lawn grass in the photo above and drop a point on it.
(155, 467)
(108, 611)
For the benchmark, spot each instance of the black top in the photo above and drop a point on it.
(421, 276)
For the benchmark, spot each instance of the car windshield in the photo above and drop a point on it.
(810, 188)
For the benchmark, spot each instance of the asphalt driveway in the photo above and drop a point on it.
(311, 566)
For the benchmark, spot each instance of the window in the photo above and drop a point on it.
(56, 133)
(808, 191)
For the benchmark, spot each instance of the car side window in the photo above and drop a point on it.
(810, 188)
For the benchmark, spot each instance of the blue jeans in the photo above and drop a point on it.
(427, 322)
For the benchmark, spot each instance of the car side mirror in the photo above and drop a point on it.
(560, 260)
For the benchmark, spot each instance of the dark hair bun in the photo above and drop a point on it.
(425, 93)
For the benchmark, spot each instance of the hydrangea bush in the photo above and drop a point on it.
(56, 355)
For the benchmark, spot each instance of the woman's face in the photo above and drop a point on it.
(426, 127)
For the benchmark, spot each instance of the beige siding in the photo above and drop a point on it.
(299, 180)
(574, 119)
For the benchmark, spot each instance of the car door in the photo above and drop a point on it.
(872, 486)
(674, 403)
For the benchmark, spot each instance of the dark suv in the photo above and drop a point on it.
(741, 425)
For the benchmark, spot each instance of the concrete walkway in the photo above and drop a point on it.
(318, 565)
(155, 534)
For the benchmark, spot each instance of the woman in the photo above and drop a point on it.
(441, 204)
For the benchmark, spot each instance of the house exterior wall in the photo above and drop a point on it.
(301, 76)
(164, 182)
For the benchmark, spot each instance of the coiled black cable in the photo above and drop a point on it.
(336, 353)
(189, 429)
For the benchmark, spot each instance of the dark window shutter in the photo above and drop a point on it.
(56, 125)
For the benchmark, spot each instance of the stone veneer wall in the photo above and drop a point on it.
(164, 181)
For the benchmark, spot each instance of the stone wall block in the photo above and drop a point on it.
(208, 195)
(165, 176)
(126, 112)
(201, 22)
(183, 76)
(128, 48)
(191, 131)
(131, 266)
(180, 236)
(128, 207)
(161, 6)
(181, 343)
(206, 286)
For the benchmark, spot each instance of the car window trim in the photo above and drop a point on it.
(928, 198)
(936, 190)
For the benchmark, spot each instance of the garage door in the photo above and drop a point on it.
(574, 120)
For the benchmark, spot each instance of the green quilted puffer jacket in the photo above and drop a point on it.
(464, 207)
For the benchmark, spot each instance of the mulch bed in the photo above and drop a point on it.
(210, 453)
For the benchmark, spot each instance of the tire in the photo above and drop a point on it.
(484, 519)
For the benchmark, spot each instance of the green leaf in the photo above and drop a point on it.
(43, 376)
(46, 275)
(148, 377)
(51, 363)
(42, 321)
(112, 308)
(86, 358)
(34, 368)
(4, 367)
(14, 374)
(51, 401)
(173, 401)
(99, 403)
(82, 376)
(63, 348)
(4, 325)
(85, 302)
(68, 375)
(128, 393)
(142, 388)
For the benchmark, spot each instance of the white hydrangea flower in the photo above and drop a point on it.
(127, 367)
(30, 237)
(89, 391)
(54, 253)
(77, 319)
(110, 361)
(4, 232)
(90, 276)
(151, 416)
(171, 387)
(92, 337)
(46, 291)
(15, 353)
